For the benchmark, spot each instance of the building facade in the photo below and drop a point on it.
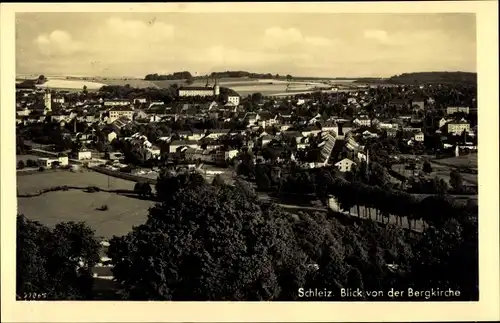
(121, 111)
(451, 110)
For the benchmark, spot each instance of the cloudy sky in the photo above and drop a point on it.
(309, 44)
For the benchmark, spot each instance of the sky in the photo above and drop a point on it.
(305, 44)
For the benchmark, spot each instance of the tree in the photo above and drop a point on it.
(456, 181)
(257, 97)
(143, 189)
(41, 79)
(218, 180)
(262, 180)
(289, 77)
(20, 164)
(209, 243)
(85, 91)
(427, 168)
(55, 262)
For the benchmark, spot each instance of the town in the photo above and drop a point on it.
(413, 138)
(370, 151)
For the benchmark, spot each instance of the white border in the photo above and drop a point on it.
(486, 309)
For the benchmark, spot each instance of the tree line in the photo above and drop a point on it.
(184, 75)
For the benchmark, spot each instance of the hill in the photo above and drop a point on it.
(425, 77)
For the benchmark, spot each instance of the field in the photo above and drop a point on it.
(70, 84)
(141, 84)
(245, 86)
(442, 168)
(74, 205)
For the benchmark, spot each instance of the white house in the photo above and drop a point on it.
(111, 136)
(451, 110)
(121, 111)
(345, 165)
(233, 99)
(362, 121)
(47, 162)
(419, 136)
(84, 154)
(117, 103)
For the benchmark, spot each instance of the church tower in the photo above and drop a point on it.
(47, 101)
(216, 88)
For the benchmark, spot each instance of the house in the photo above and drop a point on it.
(419, 136)
(251, 118)
(391, 132)
(266, 139)
(362, 121)
(266, 119)
(59, 99)
(187, 91)
(116, 103)
(345, 165)
(140, 100)
(418, 104)
(443, 122)
(121, 122)
(302, 142)
(83, 155)
(121, 111)
(23, 112)
(411, 128)
(140, 114)
(176, 144)
(216, 133)
(220, 156)
(111, 136)
(452, 110)
(457, 127)
(384, 125)
(232, 98)
(326, 147)
(368, 134)
(399, 103)
(351, 101)
(48, 162)
(194, 134)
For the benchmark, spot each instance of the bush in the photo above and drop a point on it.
(41, 169)
(20, 165)
(92, 189)
(103, 207)
(31, 163)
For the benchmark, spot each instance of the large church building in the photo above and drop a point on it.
(187, 91)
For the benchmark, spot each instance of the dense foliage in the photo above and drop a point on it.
(426, 77)
(55, 263)
(217, 242)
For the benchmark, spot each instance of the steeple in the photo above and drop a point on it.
(216, 87)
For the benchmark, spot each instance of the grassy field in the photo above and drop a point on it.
(132, 82)
(469, 160)
(442, 168)
(73, 205)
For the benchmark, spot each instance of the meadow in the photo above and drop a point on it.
(75, 205)
(441, 168)
(70, 84)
